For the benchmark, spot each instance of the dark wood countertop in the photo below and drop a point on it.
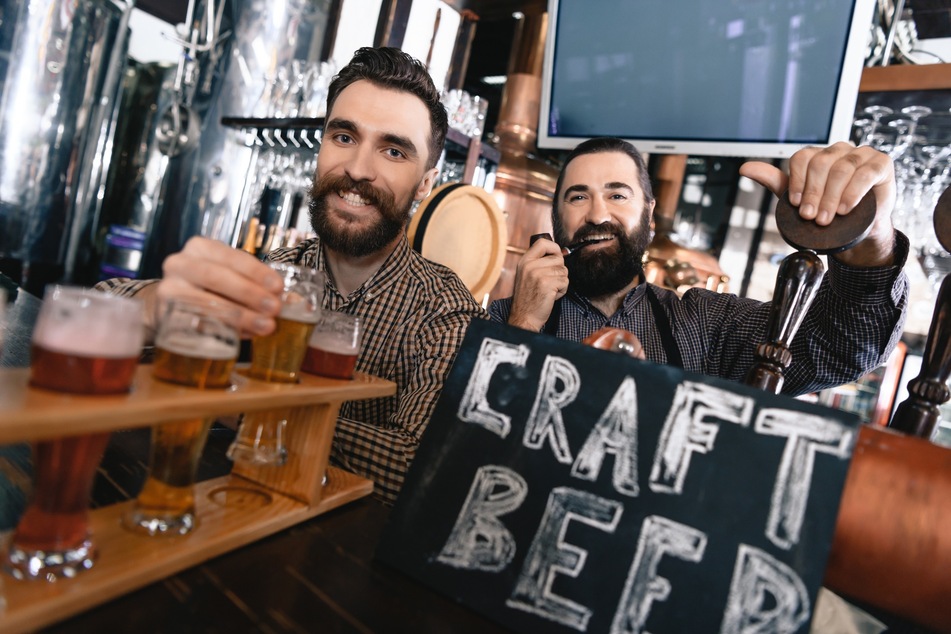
(317, 576)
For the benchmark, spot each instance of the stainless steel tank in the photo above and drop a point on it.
(56, 113)
(205, 185)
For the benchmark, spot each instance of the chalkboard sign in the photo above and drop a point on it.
(561, 488)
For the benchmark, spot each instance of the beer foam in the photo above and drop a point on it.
(334, 345)
(300, 311)
(192, 344)
(90, 338)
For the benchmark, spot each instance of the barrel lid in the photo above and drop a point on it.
(462, 227)
(844, 232)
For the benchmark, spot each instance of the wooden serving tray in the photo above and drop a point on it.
(232, 511)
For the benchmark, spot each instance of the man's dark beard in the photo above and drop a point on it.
(600, 272)
(347, 239)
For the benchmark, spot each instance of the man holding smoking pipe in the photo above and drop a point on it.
(591, 275)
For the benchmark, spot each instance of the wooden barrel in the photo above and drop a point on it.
(461, 226)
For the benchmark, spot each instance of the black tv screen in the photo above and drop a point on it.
(717, 77)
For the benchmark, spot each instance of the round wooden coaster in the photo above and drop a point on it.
(942, 219)
(462, 227)
(842, 233)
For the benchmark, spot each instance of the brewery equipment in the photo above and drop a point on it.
(525, 182)
(204, 184)
(56, 117)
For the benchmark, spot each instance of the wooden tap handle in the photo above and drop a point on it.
(796, 284)
(918, 414)
(844, 232)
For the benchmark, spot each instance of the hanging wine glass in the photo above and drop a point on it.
(915, 113)
(863, 130)
(877, 113)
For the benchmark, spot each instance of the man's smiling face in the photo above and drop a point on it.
(603, 215)
(370, 168)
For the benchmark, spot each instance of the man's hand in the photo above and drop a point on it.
(213, 271)
(825, 182)
(540, 280)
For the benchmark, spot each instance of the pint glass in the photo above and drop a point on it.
(334, 346)
(277, 358)
(196, 345)
(84, 342)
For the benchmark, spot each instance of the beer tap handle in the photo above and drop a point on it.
(796, 284)
(798, 280)
(918, 414)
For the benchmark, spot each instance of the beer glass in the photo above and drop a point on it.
(196, 345)
(84, 342)
(334, 346)
(277, 358)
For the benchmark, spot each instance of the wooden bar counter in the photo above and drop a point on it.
(303, 568)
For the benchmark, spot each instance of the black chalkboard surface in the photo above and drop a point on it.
(561, 488)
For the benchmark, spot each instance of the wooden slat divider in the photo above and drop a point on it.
(32, 414)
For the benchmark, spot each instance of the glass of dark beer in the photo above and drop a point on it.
(85, 342)
(334, 346)
(277, 358)
(196, 345)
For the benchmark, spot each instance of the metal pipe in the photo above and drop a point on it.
(56, 100)
(892, 29)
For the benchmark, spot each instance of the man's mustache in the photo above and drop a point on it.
(343, 183)
(587, 231)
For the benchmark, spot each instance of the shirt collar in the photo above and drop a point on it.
(388, 274)
(633, 297)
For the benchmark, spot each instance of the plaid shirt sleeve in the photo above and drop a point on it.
(852, 326)
(123, 286)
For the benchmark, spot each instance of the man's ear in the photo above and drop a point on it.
(426, 184)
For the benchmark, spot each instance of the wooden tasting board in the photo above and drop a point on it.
(232, 511)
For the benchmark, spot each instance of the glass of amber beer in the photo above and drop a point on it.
(196, 345)
(277, 358)
(334, 346)
(89, 343)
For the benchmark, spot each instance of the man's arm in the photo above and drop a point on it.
(852, 326)
(860, 308)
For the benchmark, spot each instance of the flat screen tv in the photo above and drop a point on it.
(712, 77)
